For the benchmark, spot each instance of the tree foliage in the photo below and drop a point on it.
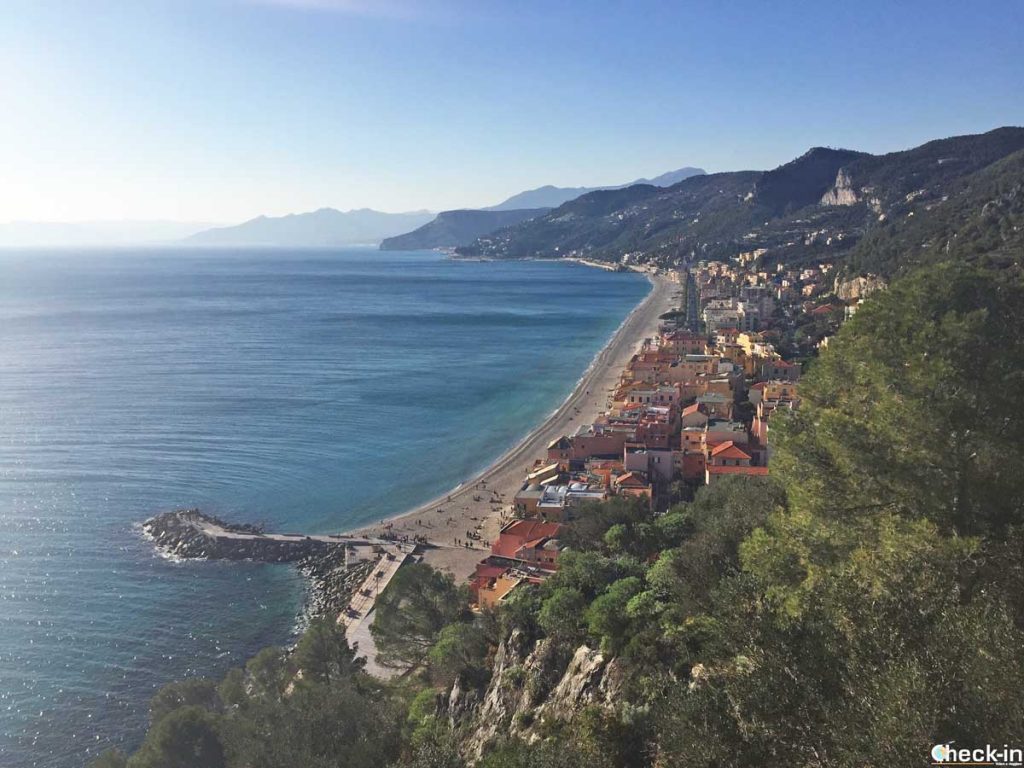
(418, 603)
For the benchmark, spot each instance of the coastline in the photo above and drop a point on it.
(478, 503)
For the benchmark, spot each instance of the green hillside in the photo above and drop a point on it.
(818, 206)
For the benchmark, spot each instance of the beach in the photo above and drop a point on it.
(480, 502)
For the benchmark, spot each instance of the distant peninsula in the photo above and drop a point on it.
(324, 227)
(455, 228)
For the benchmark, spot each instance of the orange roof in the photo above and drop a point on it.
(695, 408)
(631, 480)
(514, 535)
(738, 470)
(729, 450)
(485, 571)
(531, 529)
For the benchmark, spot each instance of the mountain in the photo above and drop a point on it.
(95, 233)
(980, 218)
(551, 197)
(821, 205)
(325, 227)
(454, 228)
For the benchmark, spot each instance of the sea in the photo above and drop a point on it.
(310, 390)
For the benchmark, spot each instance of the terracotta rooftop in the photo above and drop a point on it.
(729, 450)
(738, 470)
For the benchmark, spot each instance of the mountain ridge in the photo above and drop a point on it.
(817, 206)
(551, 196)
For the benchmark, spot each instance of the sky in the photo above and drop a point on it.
(220, 110)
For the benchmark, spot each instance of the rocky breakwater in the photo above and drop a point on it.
(188, 534)
(332, 582)
(191, 534)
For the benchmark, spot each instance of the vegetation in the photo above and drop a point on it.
(980, 220)
(413, 611)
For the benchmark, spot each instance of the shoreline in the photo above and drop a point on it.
(479, 502)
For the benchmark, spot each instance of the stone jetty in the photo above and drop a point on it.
(191, 534)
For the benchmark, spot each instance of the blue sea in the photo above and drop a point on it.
(312, 390)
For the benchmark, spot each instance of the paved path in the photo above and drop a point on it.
(215, 531)
(357, 618)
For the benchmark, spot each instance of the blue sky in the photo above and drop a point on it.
(218, 110)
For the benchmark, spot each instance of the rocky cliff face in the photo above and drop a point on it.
(859, 287)
(842, 192)
(531, 684)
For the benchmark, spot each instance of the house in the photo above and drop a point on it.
(532, 542)
(655, 463)
(634, 484)
(544, 474)
(683, 343)
(492, 583)
(560, 450)
(557, 502)
(779, 369)
(728, 454)
(693, 416)
(716, 405)
(718, 431)
(713, 473)
(689, 465)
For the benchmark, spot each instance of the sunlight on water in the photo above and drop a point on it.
(301, 389)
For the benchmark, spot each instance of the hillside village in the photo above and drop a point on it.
(693, 405)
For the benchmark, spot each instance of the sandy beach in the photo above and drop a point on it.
(480, 503)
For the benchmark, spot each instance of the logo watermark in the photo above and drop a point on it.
(948, 754)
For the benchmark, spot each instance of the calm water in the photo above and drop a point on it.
(312, 390)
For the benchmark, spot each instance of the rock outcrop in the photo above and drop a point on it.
(332, 582)
(842, 192)
(530, 684)
(860, 287)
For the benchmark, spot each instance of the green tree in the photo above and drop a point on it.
(188, 737)
(708, 533)
(460, 650)
(607, 618)
(268, 674)
(418, 603)
(915, 407)
(112, 758)
(195, 691)
(323, 654)
(592, 521)
(561, 614)
(336, 725)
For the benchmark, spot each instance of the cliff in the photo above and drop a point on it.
(859, 287)
(531, 686)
